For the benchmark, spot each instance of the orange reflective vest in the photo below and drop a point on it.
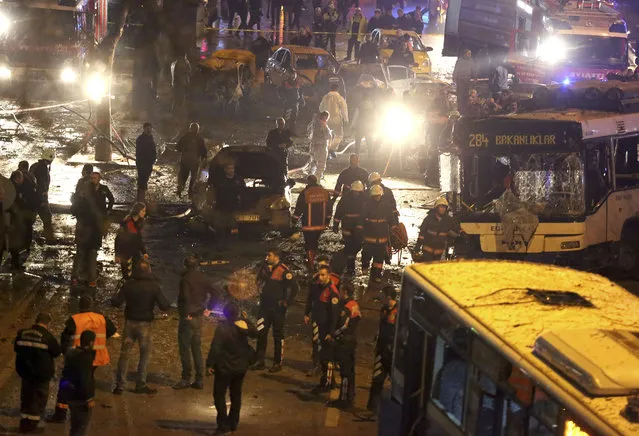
(96, 323)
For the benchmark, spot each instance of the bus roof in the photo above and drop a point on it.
(486, 290)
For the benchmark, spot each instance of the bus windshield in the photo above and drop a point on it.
(35, 26)
(596, 50)
(548, 184)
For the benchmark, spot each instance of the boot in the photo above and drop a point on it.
(58, 417)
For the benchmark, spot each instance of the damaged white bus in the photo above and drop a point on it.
(556, 186)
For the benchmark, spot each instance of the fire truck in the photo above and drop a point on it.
(46, 42)
(542, 44)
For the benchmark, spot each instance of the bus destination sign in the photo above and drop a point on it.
(480, 140)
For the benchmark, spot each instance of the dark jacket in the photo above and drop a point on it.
(304, 40)
(35, 350)
(314, 208)
(386, 22)
(40, 171)
(405, 22)
(348, 176)
(389, 198)
(369, 53)
(140, 294)
(276, 137)
(350, 315)
(376, 220)
(261, 48)
(322, 305)
(230, 352)
(386, 335)
(404, 58)
(192, 147)
(66, 338)
(195, 290)
(373, 23)
(103, 199)
(27, 198)
(278, 287)
(228, 192)
(145, 152)
(128, 241)
(349, 212)
(78, 382)
(434, 233)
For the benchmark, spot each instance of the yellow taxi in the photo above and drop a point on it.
(387, 39)
(310, 64)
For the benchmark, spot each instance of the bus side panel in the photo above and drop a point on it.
(621, 205)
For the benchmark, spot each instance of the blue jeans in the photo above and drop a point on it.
(139, 331)
(190, 344)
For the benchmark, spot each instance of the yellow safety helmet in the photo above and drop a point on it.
(374, 177)
(441, 201)
(357, 186)
(377, 190)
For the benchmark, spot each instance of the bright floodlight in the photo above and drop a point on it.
(5, 24)
(5, 72)
(552, 50)
(68, 75)
(398, 123)
(96, 87)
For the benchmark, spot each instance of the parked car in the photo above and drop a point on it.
(387, 39)
(310, 63)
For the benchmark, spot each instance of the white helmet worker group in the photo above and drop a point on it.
(357, 186)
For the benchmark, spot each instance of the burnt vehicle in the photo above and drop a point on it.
(265, 203)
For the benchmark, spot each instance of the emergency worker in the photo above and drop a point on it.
(336, 106)
(35, 349)
(321, 307)
(321, 137)
(278, 290)
(438, 226)
(376, 221)
(78, 382)
(375, 179)
(348, 214)
(384, 347)
(23, 213)
(349, 175)
(41, 170)
(345, 343)
(193, 153)
(129, 247)
(314, 209)
(279, 140)
(229, 188)
(195, 300)
(145, 156)
(83, 321)
(324, 260)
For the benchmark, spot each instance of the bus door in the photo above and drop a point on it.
(623, 203)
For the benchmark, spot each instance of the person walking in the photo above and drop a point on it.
(314, 209)
(356, 33)
(145, 156)
(195, 300)
(41, 171)
(129, 246)
(383, 347)
(435, 231)
(229, 188)
(345, 343)
(321, 136)
(140, 295)
(85, 319)
(36, 350)
(375, 222)
(348, 214)
(193, 154)
(229, 358)
(278, 290)
(349, 175)
(279, 140)
(78, 382)
(336, 106)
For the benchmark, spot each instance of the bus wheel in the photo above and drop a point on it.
(629, 259)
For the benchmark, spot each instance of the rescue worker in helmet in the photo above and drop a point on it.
(314, 209)
(41, 170)
(434, 233)
(376, 221)
(375, 179)
(348, 214)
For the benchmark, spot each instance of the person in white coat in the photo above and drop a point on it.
(335, 104)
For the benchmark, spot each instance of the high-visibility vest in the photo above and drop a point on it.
(96, 323)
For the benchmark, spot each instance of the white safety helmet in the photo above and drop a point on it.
(48, 154)
(374, 177)
(357, 186)
(377, 190)
(441, 201)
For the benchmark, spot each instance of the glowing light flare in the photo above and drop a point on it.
(573, 429)
(552, 50)
(68, 75)
(5, 72)
(5, 24)
(566, 81)
(398, 123)
(96, 87)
